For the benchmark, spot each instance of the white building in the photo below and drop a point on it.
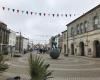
(25, 43)
(12, 41)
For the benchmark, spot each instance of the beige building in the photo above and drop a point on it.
(64, 42)
(84, 34)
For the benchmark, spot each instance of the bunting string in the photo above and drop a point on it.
(37, 13)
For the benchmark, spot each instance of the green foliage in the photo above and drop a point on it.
(38, 70)
(3, 66)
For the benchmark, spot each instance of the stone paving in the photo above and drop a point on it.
(64, 68)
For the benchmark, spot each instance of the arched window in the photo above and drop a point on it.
(95, 22)
(72, 31)
(78, 29)
(81, 28)
(85, 26)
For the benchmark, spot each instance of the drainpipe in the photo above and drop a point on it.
(67, 43)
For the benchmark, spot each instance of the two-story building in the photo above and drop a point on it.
(84, 34)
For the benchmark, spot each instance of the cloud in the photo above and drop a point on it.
(33, 26)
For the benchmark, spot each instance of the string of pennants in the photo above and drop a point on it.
(38, 13)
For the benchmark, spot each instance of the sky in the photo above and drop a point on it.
(40, 28)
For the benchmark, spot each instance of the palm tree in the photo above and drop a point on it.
(38, 70)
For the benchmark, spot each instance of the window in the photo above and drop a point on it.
(85, 26)
(81, 28)
(64, 35)
(95, 22)
(72, 31)
(78, 29)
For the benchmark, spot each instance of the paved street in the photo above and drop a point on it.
(64, 68)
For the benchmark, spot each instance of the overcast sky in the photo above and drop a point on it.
(40, 28)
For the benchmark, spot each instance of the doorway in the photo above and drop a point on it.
(72, 49)
(65, 48)
(97, 48)
(82, 49)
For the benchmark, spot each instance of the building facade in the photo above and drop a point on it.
(60, 42)
(12, 41)
(64, 42)
(4, 38)
(21, 44)
(84, 34)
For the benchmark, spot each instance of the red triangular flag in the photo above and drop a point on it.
(44, 14)
(40, 14)
(66, 15)
(22, 12)
(53, 15)
(70, 15)
(26, 12)
(8, 9)
(3, 8)
(17, 11)
(57, 15)
(31, 13)
(35, 13)
(13, 10)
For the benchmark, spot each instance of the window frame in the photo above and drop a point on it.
(95, 22)
(85, 26)
(81, 28)
(72, 31)
(78, 29)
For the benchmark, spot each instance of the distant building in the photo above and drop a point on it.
(21, 44)
(84, 34)
(4, 38)
(50, 44)
(12, 41)
(25, 43)
(64, 42)
(57, 40)
(31, 45)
